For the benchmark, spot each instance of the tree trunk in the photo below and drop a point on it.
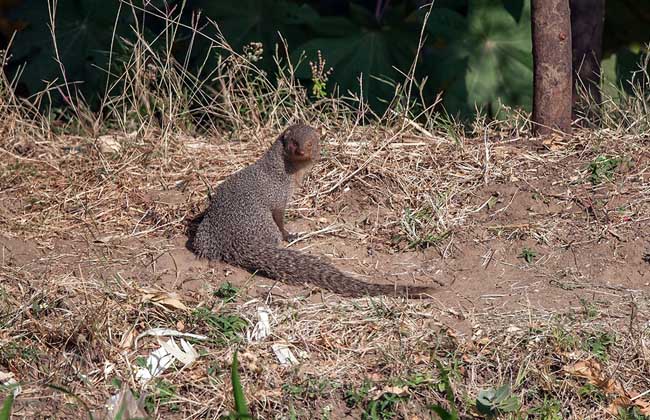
(552, 92)
(587, 21)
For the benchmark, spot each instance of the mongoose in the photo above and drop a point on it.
(244, 222)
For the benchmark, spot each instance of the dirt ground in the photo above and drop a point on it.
(536, 236)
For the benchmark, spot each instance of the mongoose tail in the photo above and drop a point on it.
(294, 267)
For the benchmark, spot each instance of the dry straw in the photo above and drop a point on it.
(82, 203)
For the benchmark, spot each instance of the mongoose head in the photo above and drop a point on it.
(301, 143)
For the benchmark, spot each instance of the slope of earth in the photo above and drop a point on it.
(540, 252)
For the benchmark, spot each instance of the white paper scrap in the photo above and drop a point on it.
(284, 354)
(263, 327)
(163, 357)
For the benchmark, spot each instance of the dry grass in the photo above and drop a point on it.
(78, 211)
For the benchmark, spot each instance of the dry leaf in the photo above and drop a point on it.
(592, 371)
(397, 390)
(127, 339)
(109, 144)
(162, 298)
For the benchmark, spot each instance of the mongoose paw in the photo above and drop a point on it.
(290, 237)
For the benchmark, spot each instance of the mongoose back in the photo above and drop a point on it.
(244, 222)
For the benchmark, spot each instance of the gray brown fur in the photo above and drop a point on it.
(244, 223)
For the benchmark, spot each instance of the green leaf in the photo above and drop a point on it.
(248, 21)
(83, 32)
(241, 407)
(5, 412)
(443, 413)
(452, 413)
(491, 402)
(484, 58)
(500, 56)
(445, 25)
(515, 8)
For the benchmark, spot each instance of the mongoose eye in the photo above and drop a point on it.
(294, 148)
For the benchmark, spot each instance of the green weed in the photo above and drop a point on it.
(598, 345)
(602, 168)
(226, 291)
(319, 77)
(163, 393)
(591, 392)
(450, 413)
(310, 389)
(590, 309)
(563, 339)
(224, 328)
(528, 255)
(241, 407)
(382, 408)
(493, 402)
(355, 396)
(631, 413)
(417, 229)
(549, 409)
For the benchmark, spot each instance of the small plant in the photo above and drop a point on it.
(549, 409)
(382, 408)
(311, 389)
(417, 229)
(227, 326)
(602, 168)
(631, 413)
(563, 339)
(528, 255)
(415, 381)
(591, 310)
(493, 402)
(165, 393)
(226, 291)
(354, 397)
(319, 77)
(591, 392)
(598, 345)
(444, 413)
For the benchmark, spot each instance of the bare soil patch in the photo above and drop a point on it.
(536, 248)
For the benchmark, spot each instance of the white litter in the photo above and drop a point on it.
(284, 354)
(163, 357)
(263, 327)
(167, 332)
(7, 380)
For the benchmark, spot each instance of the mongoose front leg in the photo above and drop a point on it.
(278, 217)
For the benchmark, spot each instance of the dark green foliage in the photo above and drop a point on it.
(450, 413)
(83, 32)
(482, 58)
(528, 255)
(227, 292)
(222, 327)
(603, 168)
(475, 51)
